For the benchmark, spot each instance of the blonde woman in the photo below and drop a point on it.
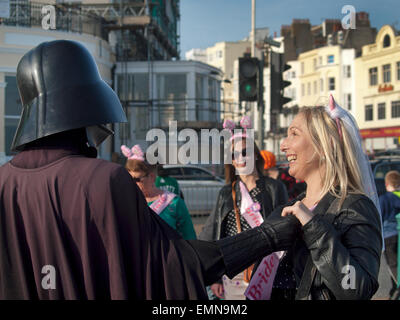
(337, 247)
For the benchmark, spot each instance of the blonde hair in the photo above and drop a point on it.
(342, 173)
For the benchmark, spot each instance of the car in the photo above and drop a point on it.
(199, 186)
(379, 169)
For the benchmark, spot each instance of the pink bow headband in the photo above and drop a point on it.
(245, 123)
(135, 153)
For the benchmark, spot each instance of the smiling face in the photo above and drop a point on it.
(243, 157)
(303, 160)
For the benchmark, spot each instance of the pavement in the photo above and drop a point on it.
(385, 283)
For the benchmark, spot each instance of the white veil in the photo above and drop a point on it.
(367, 177)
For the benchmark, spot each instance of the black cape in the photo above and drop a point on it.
(87, 218)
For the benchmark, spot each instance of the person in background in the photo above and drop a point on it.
(293, 187)
(270, 170)
(169, 206)
(242, 192)
(167, 183)
(390, 207)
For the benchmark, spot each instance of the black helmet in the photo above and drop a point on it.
(61, 89)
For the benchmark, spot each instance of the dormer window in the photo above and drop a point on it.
(386, 41)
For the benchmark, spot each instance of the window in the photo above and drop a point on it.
(172, 95)
(330, 59)
(386, 41)
(381, 111)
(12, 112)
(309, 88)
(321, 84)
(302, 68)
(315, 63)
(369, 115)
(331, 84)
(398, 70)
(133, 86)
(396, 109)
(315, 87)
(294, 93)
(347, 71)
(348, 101)
(386, 73)
(373, 76)
(320, 61)
(302, 90)
(200, 96)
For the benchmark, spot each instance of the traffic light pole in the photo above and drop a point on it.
(260, 102)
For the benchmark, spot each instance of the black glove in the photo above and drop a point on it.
(244, 249)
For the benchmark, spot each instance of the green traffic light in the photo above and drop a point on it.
(248, 88)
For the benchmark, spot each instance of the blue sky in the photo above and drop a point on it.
(205, 22)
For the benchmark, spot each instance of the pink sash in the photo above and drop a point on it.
(260, 286)
(162, 202)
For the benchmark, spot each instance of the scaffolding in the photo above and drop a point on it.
(139, 25)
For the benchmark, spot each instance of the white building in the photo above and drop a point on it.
(162, 91)
(197, 55)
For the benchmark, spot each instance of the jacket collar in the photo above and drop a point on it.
(322, 205)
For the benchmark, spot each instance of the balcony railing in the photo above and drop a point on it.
(68, 18)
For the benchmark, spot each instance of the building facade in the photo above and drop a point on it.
(184, 92)
(325, 71)
(378, 91)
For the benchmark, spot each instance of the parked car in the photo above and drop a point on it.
(199, 186)
(382, 166)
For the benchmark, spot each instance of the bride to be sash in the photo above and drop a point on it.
(162, 202)
(260, 286)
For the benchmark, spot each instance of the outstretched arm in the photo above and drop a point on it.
(232, 255)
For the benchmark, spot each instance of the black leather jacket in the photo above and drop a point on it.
(345, 249)
(275, 196)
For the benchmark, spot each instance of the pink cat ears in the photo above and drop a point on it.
(135, 153)
(245, 123)
(335, 114)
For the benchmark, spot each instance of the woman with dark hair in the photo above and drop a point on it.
(244, 189)
(170, 207)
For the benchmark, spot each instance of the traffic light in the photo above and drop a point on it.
(248, 78)
(277, 83)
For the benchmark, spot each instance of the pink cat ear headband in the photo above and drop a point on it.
(135, 153)
(334, 113)
(245, 123)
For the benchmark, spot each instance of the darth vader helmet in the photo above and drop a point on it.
(61, 90)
